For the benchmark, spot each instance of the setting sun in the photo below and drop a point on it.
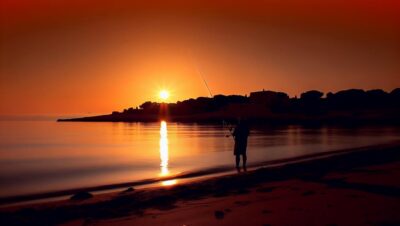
(164, 94)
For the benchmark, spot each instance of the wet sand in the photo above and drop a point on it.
(355, 188)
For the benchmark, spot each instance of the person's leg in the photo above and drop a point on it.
(244, 161)
(237, 160)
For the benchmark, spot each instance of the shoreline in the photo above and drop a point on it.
(190, 175)
(116, 205)
(267, 120)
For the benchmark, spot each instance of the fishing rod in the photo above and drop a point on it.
(204, 80)
(228, 126)
(224, 123)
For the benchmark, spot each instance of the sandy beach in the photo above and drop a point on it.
(352, 188)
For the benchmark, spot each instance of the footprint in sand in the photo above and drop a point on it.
(219, 214)
(242, 203)
(266, 211)
(306, 193)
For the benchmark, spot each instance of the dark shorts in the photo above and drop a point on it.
(240, 148)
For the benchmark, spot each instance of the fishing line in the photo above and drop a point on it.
(224, 123)
(199, 72)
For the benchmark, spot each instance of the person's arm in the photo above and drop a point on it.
(234, 133)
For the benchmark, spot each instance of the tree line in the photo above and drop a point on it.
(310, 102)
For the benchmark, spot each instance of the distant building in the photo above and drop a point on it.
(268, 98)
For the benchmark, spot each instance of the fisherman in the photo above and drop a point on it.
(240, 135)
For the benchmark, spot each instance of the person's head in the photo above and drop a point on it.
(236, 121)
(244, 121)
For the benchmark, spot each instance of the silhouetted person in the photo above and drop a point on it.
(240, 134)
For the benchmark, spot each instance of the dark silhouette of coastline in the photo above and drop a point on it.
(344, 107)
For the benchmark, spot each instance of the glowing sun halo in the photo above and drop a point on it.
(164, 94)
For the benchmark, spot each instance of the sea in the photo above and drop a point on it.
(42, 155)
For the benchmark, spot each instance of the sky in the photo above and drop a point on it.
(90, 57)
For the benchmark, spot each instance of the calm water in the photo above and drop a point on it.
(39, 156)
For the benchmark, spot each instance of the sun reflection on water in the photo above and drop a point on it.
(169, 182)
(164, 149)
(164, 155)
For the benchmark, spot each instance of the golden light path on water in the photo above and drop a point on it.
(164, 154)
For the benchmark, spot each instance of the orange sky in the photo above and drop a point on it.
(79, 57)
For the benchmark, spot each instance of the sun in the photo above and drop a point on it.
(164, 94)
